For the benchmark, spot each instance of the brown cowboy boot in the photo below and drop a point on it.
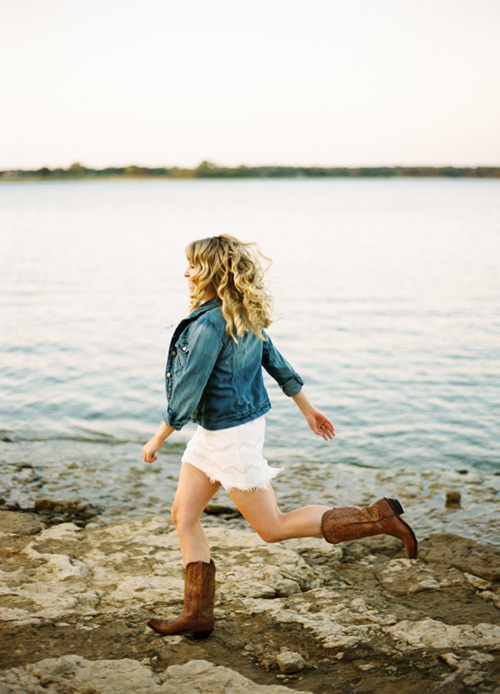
(199, 595)
(381, 518)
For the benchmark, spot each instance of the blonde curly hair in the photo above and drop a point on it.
(234, 270)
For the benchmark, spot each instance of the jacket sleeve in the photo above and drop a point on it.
(278, 367)
(205, 344)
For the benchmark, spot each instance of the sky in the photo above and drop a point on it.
(323, 82)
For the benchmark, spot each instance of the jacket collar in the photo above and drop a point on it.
(207, 306)
(212, 303)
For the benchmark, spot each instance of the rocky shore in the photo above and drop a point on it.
(295, 616)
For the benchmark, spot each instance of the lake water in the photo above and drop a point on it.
(387, 303)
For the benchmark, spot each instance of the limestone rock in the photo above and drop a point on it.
(467, 555)
(336, 623)
(69, 590)
(19, 523)
(428, 633)
(290, 661)
(73, 674)
(200, 675)
(467, 669)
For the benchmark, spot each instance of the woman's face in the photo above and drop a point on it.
(189, 272)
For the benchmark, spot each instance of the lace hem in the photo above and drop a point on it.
(230, 486)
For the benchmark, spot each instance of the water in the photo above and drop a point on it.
(388, 305)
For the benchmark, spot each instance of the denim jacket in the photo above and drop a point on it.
(214, 381)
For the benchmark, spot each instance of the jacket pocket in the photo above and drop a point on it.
(182, 352)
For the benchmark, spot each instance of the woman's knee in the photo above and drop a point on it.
(269, 535)
(183, 516)
(271, 531)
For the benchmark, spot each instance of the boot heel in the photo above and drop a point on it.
(395, 505)
(201, 634)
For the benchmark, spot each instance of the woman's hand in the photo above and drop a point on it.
(320, 424)
(150, 449)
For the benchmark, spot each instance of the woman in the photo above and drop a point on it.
(214, 378)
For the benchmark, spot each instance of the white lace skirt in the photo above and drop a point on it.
(232, 456)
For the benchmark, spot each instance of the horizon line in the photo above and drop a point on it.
(208, 169)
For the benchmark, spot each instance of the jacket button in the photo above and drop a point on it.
(184, 348)
(169, 397)
(169, 375)
(173, 353)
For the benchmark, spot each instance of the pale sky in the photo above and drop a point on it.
(316, 82)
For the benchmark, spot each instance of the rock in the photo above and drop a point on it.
(88, 593)
(19, 523)
(426, 584)
(451, 659)
(467, 555)
(335, 623)
(289, 662)
(453, 500)
(467, 669)
(268, 662)
(479, 583)
(74, 674)
(492, 597)
(285, 587)
(429, 633)
(200, 675)
(402, 576)
(54, 511)
(65, 568)
(220, 510)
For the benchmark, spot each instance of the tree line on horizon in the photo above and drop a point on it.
(208, 169)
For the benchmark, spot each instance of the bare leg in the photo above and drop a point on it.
(260, 509)
(194, 491)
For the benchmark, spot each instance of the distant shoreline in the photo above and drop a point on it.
(209, 170)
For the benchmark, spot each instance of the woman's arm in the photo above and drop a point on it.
(291, 384)
(277, 366)
(150, 449)
(317, 421)
(186, 386)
